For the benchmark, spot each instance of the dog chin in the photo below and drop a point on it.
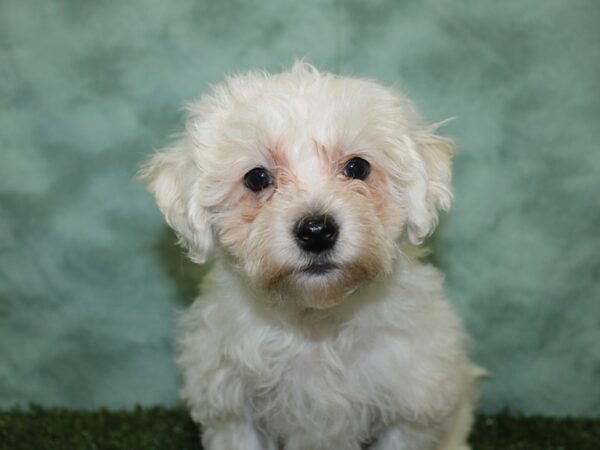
(319, 285)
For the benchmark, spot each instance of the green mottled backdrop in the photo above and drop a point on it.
(90, 280)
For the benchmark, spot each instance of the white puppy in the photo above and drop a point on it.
(318, 328)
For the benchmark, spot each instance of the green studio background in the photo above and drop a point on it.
(90, 279)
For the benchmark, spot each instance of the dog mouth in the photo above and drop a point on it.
(318, 268)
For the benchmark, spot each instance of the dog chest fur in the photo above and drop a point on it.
(326, 379)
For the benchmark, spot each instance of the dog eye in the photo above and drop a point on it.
(257, 179)
(357, 168)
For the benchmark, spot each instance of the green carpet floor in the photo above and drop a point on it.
(166, 429)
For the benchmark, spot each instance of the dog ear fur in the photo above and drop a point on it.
(172, 176)
(432, 189)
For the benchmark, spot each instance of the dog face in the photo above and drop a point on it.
(305, 180)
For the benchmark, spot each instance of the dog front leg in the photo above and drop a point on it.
(235, 435)
(407, 436)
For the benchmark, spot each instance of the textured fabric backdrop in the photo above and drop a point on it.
(90, 280)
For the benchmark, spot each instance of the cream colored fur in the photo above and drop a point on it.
(367, 355)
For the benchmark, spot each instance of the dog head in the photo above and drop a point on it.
(306, 181)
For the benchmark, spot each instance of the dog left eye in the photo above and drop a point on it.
(257, 179)
(357, 168)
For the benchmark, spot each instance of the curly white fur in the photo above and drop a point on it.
(365, 355)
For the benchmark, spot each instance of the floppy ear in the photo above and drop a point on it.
(431, 189)
(172, 176)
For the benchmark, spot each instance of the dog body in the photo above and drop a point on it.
(387, 366)
(318, 328)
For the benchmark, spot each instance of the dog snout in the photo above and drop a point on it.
(316, 233)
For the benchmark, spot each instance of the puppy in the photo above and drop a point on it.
(318, 328)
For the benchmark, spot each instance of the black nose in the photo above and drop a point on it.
(316, 234)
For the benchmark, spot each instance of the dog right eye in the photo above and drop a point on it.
(257, 179)
(357, 168)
